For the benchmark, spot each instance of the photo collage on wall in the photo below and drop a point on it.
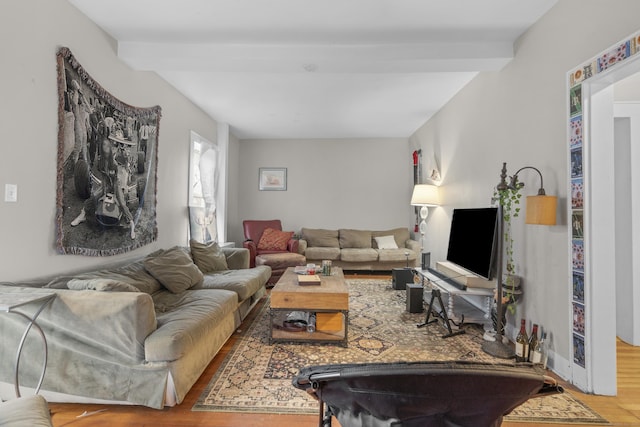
(577, 216)
(610, 58)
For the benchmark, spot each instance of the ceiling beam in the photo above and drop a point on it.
(320, 58)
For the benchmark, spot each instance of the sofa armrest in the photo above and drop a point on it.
(292, 246)
(413, 245)
(302, 246)
(237, 258)
(25, 411)
(251, 246)
(109, 325)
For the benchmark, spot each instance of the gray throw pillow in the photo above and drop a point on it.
(174, 269)
(208, 256)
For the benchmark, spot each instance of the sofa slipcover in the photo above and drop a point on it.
(145, 345)
(28, 411)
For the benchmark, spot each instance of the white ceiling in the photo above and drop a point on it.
(316, 68)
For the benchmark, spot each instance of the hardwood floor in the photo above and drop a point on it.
(621, 410)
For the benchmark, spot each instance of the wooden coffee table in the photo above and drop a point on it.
(329, 300)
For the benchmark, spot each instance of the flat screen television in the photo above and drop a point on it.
(472, 240)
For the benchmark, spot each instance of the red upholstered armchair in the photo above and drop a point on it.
(253, 230)
(277, 249)
(269, 245)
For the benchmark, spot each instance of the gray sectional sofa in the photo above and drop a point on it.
(360, 249)
(138, 332)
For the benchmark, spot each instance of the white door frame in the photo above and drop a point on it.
(599, 374)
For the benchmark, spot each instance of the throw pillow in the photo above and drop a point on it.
(174, 270)
(105, 285)
(386, 242)
(208, 256)
(355, 239)
(401, 235)
(321, 237)
(274, 240)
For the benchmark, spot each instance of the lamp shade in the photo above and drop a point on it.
(425, 195)
(541, 210)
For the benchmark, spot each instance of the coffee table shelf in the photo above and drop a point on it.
(331, 296)
(279, 315)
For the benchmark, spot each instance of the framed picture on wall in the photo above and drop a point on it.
(272, 179)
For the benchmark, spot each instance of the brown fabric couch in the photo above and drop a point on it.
(360, 249)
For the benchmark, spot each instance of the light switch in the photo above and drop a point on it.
(10, 193)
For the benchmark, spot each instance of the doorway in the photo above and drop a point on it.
(611, 224)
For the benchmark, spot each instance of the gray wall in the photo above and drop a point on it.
(519, 115)
(624, 224)
(31, 32)
(345, 183)
(234, 221)
(627, 90)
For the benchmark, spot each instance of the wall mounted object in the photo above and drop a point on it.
(107, 161)
(272, 179)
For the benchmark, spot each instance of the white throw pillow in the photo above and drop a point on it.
(386, 242)
(99, 284)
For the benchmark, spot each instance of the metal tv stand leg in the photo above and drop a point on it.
(435, 293)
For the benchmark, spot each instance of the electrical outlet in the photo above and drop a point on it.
(10, 193)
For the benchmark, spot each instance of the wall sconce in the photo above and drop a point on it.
(425, 195)
(540, 210)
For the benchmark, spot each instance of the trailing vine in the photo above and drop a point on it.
(509, 199)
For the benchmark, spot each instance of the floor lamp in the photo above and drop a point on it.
(541, 210)
(425, 195)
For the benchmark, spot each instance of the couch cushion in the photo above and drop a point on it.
(322, 253)
(184, 319)
(237, 258)
(401, 235)
(355, 238)
(281, 260)
(359, 255)
(208, 256)
(244, 282)
(174, 269)
(386, 242)
(394, 255)
(138, 276)
(321, 238)
(274, 240)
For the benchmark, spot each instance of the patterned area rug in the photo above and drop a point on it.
(256, 376)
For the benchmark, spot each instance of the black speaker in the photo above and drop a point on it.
(426, 260)
(400, 277)
(414, 298)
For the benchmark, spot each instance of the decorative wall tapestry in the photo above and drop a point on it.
(107, 163)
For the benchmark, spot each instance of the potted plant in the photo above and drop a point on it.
(509, 199)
